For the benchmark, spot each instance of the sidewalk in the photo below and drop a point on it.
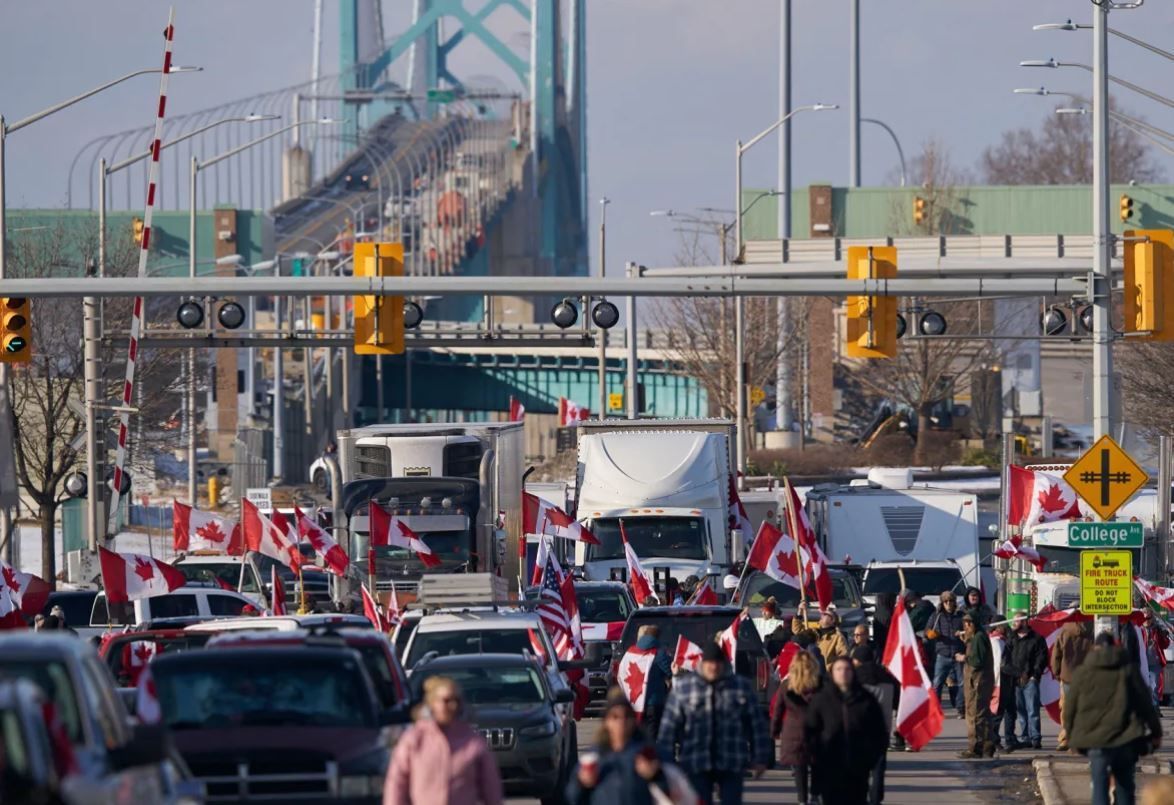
(1064, 780)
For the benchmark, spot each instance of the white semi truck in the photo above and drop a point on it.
(669, 481)
(457, 485)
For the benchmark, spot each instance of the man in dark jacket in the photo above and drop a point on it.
(1110, 716)
(1028, 654)
(1068, 654)
(716, 721)
(660, 674)
(980, 687)
(944, 629)
(920, 610)
(983, 614)
(846, 736)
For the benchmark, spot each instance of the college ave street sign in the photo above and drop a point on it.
(1106, 582)
(1105, 477)
(1105, 535)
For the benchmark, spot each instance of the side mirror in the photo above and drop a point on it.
(564, 696)
(396, 714)
(149, 745)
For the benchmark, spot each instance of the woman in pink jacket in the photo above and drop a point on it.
(441, 760)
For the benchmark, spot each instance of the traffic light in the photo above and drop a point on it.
(1149, 283)
(872, 320)
(16, 330)
(1126, 207)
(136, 228)
(918, 210)
(379, 320)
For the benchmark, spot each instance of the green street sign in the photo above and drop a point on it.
(1105, 535)
(441, 96)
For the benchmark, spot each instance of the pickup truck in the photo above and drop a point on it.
(115, 761)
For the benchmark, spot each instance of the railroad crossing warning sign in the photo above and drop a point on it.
(1105, 477)
(757, 395)
(1106, 582)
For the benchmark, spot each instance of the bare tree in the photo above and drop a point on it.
(1060, 152)
(938, 180)
(1147, 375)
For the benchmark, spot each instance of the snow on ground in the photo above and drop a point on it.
(28, 547)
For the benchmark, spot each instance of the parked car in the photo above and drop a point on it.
(702, 625)
(284, 724)
(239, 573)
(30, 773)
(192, 600)
(116, 763)
(284, 623)
(757, 586)
(523, 719)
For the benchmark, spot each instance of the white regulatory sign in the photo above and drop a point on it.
(262, 498)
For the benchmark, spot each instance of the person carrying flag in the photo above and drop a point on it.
(660, 675)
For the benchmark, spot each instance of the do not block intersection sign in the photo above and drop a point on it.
(1106, 582)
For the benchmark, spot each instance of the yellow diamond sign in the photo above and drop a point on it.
(1105, 477)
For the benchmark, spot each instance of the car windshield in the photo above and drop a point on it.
(659, 537)
(471, 641)
(761, 587)
(925, 580)
(53, 680)
(1067, 560)
(494, 686)
(310, 692)
(602, 606)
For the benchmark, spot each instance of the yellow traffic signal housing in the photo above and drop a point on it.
(872, 320)
(1149, 283)
(918, 210)
(379, 320)
(1126, 207)
(136, 228)
(16, 330)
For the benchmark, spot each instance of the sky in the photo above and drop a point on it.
(671, 84)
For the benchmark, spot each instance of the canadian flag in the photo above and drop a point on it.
(387, 529)
(1015, 549)
(815, 563)
(610, 632)
(728, 639)
(1162, 596)
(633, 675)
(571, 413)
(277, 605)
(543, 517)
(1040, 497)
(517, 410)
(998, 646)
(131, 576)
(774, 554)
(269, 536)
(27, 592)
(371, 610)
(919, 713)
(786, 656)
(393, 610)
(1047, 624)
(136, 655)
(10, 617)
(739, 519)
(195, 530)
(704, 596)
(688, 654)
(637, 578)
(324, 545)
(147, 708)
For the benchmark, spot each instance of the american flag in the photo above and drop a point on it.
(558, 608)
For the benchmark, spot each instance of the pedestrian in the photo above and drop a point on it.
(831, 640)
(808, 641)
(441, 758)
(622, 769)
(1068, 653)
(1002, 705)
(673, 594)
(877, 680)
(713, 717)
(1156, 643)
(788, 723)
(920, 610)
(846, 736)
(59, 613)
(1028, 660)
(39, 622)
(859, 638)
(1109, 715)
(944, 629)
(979, 681)
(771, 619)
(660, 675)
(982, 612)
(882, 616)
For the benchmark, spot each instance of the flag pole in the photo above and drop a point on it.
(301, 593)
(793, 526)
(371, 570)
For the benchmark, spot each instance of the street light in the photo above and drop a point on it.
(1054, 64)
(782, 396)
(1074, 26)
(1147, 130)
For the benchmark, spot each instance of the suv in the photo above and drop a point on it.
(522, 718)
(250, 575)
(927, 578)
(204, 601)
(282, 724)
(757, 586)
(115, 761)
(702, 625)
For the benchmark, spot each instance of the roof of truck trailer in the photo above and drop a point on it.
(416, 429)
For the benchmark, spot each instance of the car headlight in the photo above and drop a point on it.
(360, 785)
(543, 730)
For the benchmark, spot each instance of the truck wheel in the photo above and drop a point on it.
(320, 481)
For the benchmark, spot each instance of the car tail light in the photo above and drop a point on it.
(762, 673)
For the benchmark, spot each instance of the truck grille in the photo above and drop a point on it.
(273, 779)
(498, 739)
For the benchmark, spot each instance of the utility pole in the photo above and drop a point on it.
(190, 400)
(1164, 481)
(854, 97)
(278, 418)
(1099, 281)
(633, 402)
(784, 411)
(601, 334)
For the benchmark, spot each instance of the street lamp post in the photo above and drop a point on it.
(896, 142)
(1096, 69)
(601, 332)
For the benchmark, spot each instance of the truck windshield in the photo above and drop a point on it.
(1067, 560)
(660, 537)
(925, 580)
(452, 547)
(761, 587)
(222, 574)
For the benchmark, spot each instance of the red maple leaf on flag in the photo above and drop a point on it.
(909, 672)
(635, 682)
(1053, 499)
(10, 579)
(142, 653)
(211, 532)
(144, 570)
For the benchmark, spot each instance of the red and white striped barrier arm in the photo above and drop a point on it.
(136, 322)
